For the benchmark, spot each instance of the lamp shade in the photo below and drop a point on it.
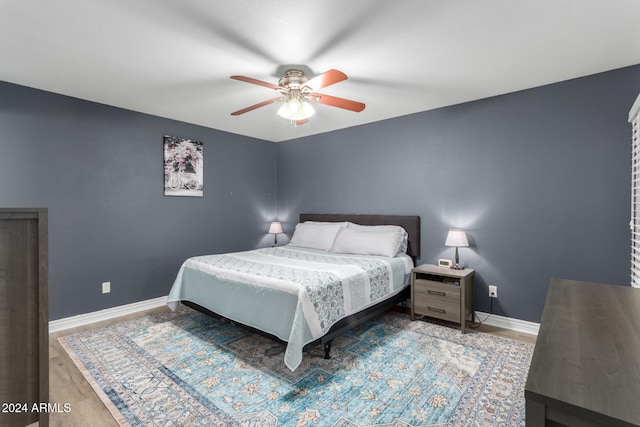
(457, 238)
(275, 228)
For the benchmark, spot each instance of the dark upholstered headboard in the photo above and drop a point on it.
(411, 223)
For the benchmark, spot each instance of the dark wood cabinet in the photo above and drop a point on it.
(24, 316)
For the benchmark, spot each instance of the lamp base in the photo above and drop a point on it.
(457, 265)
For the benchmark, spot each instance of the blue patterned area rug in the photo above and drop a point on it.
(186, 368)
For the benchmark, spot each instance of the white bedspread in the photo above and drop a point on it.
(294, 293)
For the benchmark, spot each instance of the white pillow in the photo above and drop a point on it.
(378, 228)
(382, 242)
(315, 236)
(342, 224)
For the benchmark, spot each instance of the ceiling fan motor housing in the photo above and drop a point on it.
(293, 79)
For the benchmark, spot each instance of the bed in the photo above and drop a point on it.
(305, 295)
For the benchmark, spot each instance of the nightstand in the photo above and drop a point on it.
(443, 293)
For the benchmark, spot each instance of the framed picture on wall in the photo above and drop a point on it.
(182, 167)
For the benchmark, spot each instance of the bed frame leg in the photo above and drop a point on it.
(327, 349)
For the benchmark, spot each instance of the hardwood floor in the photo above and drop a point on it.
(507, 333)
(67, 385)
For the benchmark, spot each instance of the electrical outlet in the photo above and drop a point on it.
(106, 287)
(493, 291)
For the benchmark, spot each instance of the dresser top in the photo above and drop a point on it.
(587, 353)
(16, 210)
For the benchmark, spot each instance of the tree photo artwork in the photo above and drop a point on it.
(182, 167)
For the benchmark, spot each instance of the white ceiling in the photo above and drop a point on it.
(173, 58)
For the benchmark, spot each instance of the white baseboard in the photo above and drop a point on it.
(517, 325)
(123, 310)
(107, 314)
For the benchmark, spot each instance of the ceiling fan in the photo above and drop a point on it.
(298, 92)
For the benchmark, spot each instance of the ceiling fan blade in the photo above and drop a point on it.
(334, 101)
(257, 82)
(253, 107)
(326, 79)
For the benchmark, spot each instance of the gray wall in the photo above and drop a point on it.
(99, 170)
(540, 179)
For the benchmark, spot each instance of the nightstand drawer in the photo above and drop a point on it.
(438, 291)
(444, 310)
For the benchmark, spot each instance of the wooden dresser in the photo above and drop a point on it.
(585, 369)
(24, 317)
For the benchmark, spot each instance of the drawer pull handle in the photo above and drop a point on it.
(440, 294)
(437, 310)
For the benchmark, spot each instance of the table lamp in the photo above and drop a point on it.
(458, 239)
(275, 228)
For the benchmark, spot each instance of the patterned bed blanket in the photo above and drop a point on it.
(294, 293)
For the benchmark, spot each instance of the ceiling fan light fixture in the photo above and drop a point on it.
(295, 110)
(297, 90)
